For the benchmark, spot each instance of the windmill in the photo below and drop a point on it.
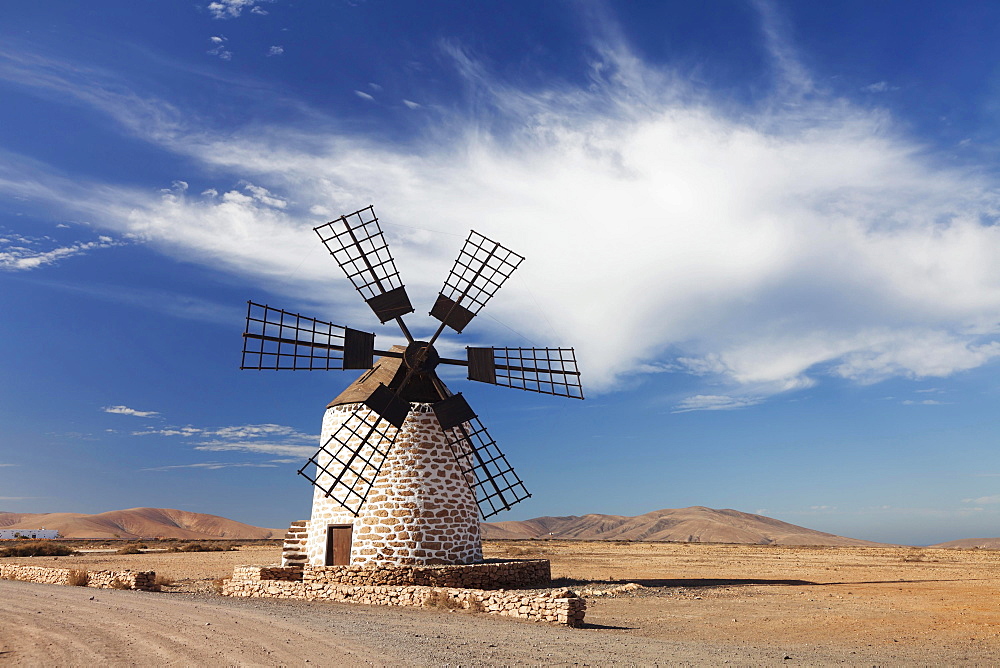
(406, 467)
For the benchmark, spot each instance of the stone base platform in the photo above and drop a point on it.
(483, 587)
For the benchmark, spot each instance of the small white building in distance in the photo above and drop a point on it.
(7, 534)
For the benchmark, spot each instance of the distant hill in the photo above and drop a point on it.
(696, 524)
(138, 523)
(970, 543)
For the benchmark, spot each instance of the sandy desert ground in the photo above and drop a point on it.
(697, 604)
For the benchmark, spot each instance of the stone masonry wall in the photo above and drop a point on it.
(421, 508)
(525, 574)
(559, 606)
(142, 580)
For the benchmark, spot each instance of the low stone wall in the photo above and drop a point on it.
(559, 606)
(525, 574)
(142, 580)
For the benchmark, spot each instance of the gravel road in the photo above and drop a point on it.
(60, 626)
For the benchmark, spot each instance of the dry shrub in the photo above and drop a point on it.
(119, 584)
(515, 551)
(217, 585)
(163, 581)
(475, 605)
(129, 549)
(42, 548)
(441, 599)
(204, 547)
(78, 578)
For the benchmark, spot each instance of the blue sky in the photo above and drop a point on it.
(768, 228)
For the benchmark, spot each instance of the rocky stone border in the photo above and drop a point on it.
(142, 580)
(559, 606)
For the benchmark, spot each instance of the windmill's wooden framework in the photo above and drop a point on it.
(405, 467)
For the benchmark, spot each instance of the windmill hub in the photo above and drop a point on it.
(421, 357)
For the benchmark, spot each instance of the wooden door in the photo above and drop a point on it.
(338, 545)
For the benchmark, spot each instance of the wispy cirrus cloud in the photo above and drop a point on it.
(125, 410)
(984, 500)
(270, 439)
(879, 87)
(760, 248)
(714, 402)
(262, 447)
(22, 253)
(210, 466)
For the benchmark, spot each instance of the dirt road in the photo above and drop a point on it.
(45, 625)
(698, 605)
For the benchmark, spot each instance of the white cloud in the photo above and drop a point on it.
(219, 48)
(3, 465)
(983, 500)
(271, 439)
(714, 402)
(20, 253)
(363, 95)
(879, 87)
(231, 9)
(212, 466)
(275, 51)
(170, 431)
(411, 104)
(258, 447)
(125, 410)
(262, 195)
(925, 402)
(760, 248)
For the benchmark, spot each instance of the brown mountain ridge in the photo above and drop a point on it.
(138, 523)
(696, 524)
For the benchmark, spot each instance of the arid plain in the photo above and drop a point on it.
(648, 603)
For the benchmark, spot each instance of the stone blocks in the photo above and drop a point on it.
(421, 508)
(356, 584)
(141, 580)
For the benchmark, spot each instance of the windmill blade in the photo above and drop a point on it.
(348, 463)
(545, 370)
(357, 244)
(277, 340)
(388, 405)
(481, 269)
(496, 485)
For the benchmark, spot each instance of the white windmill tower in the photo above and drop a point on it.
(405, 469)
